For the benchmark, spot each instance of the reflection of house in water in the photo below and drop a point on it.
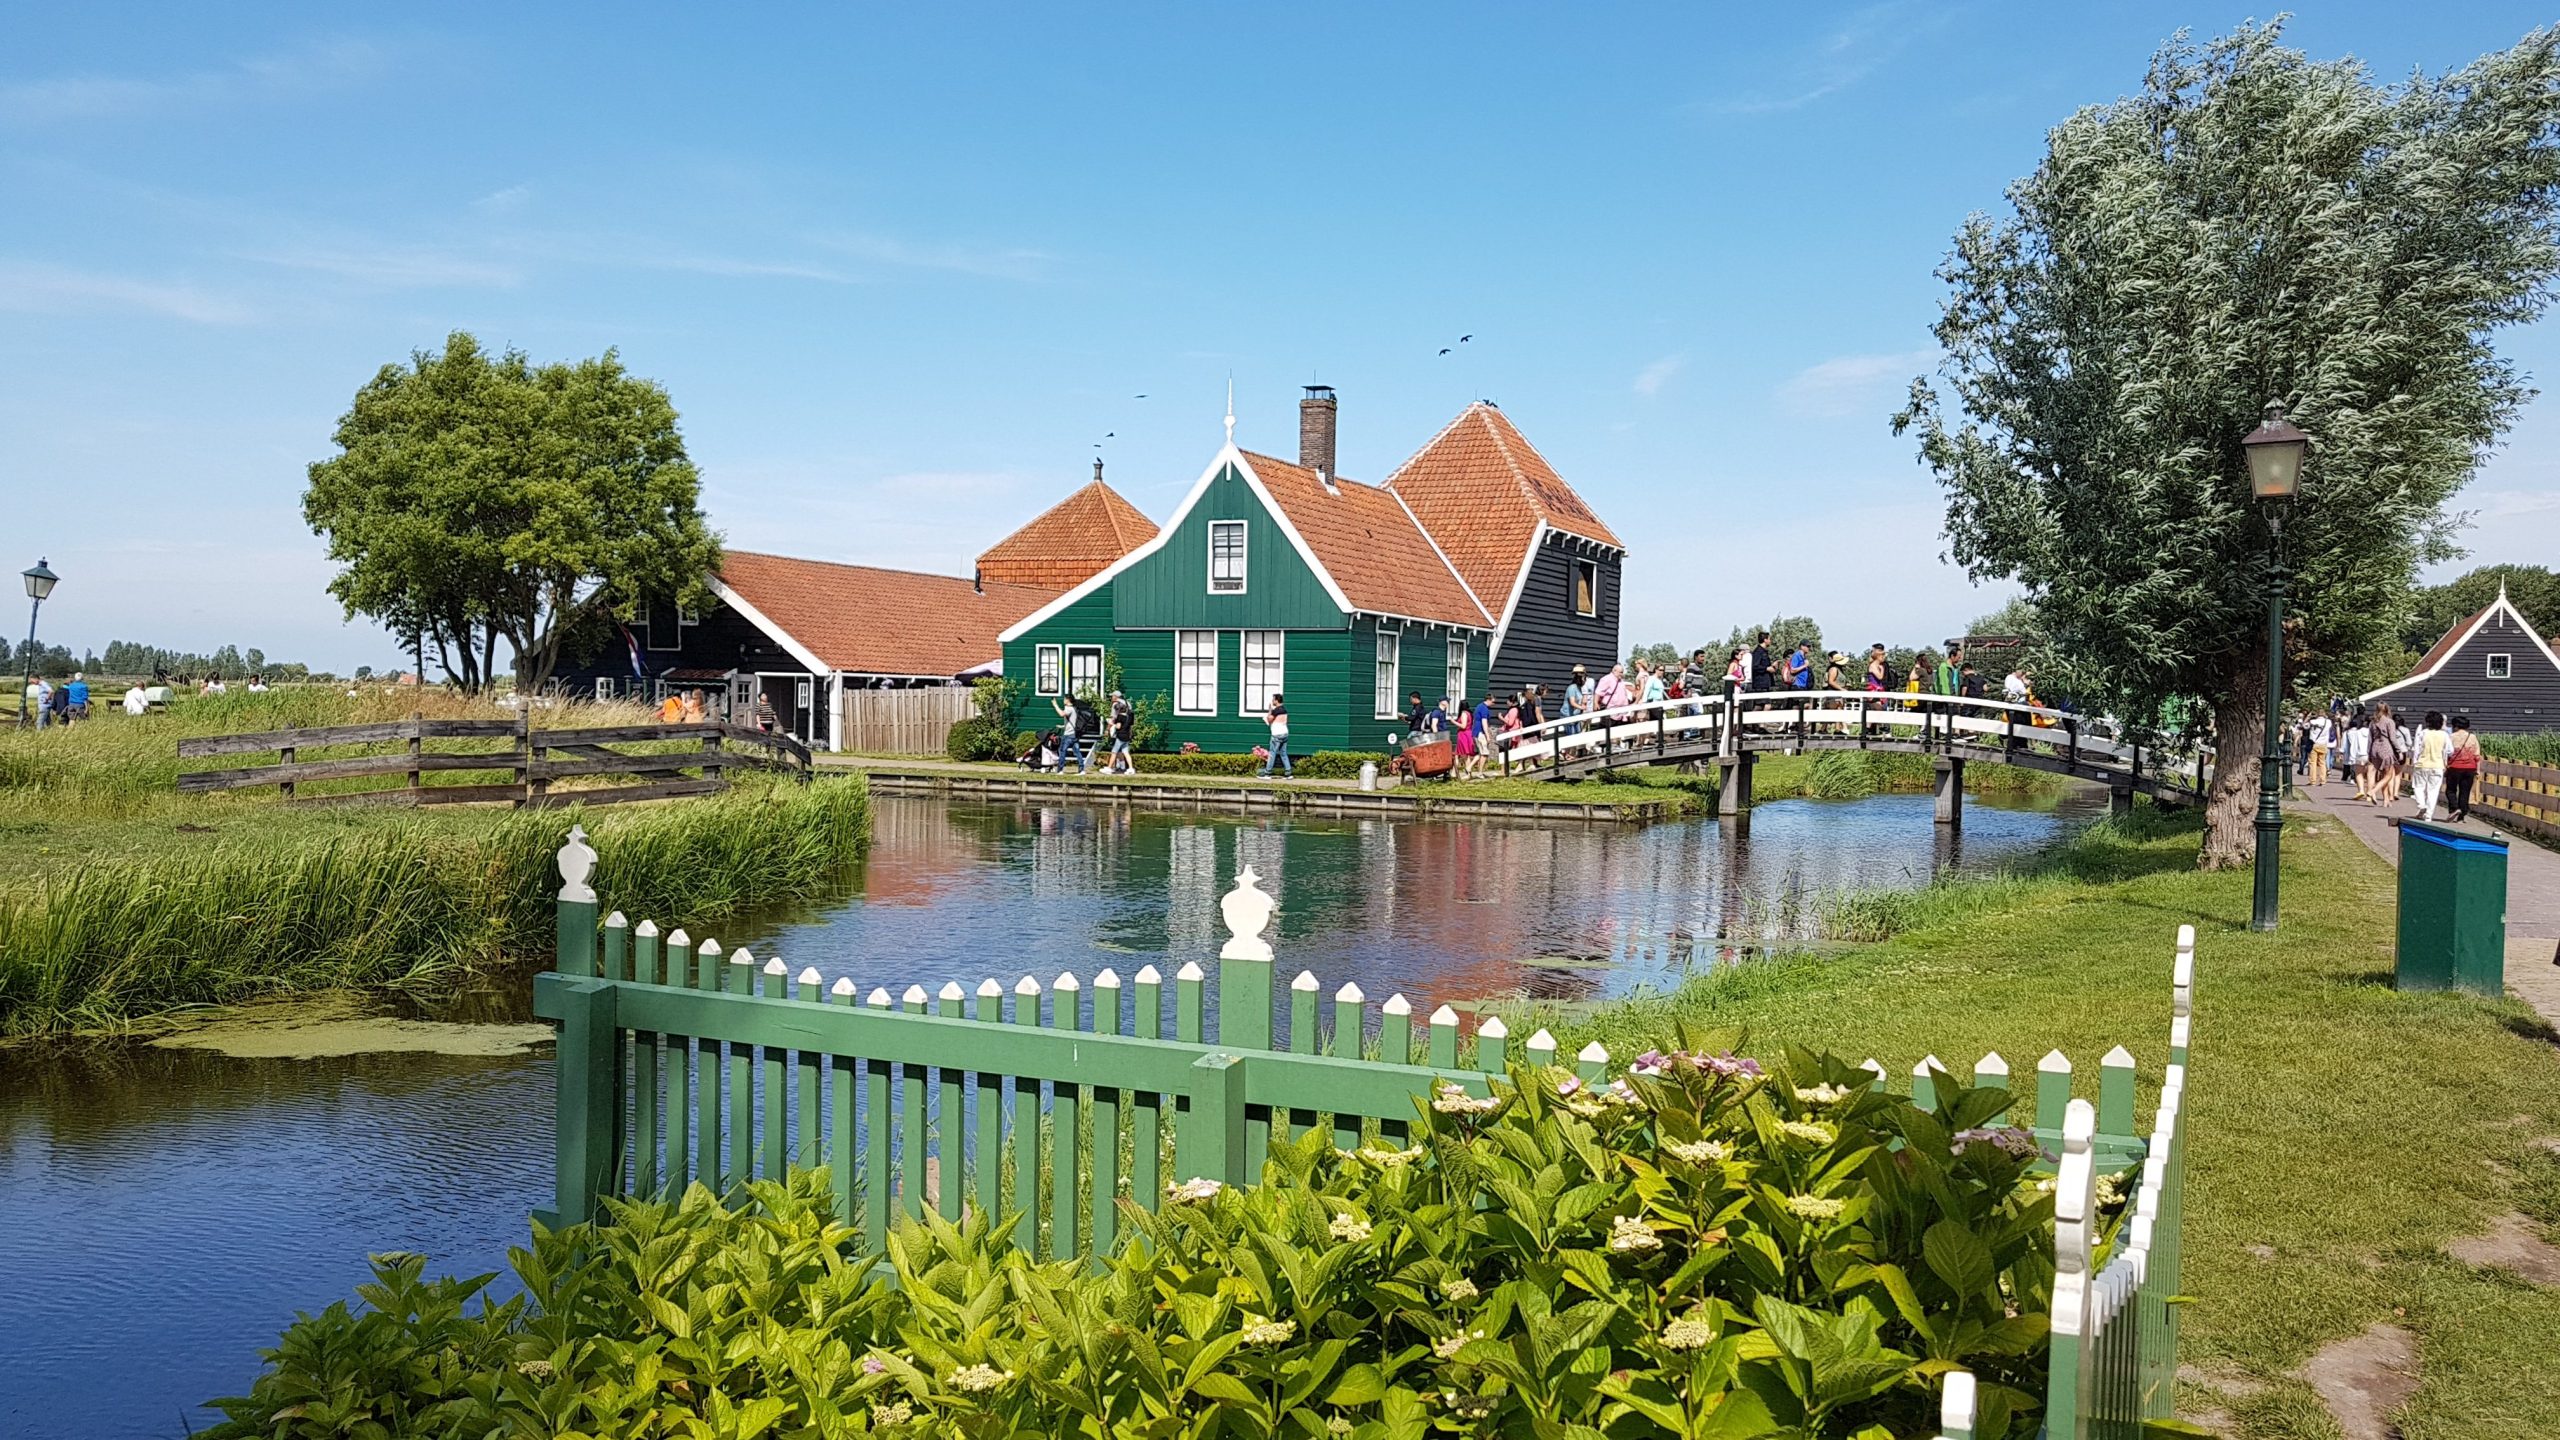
(922, 850)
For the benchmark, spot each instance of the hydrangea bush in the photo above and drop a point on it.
(1704, 1249)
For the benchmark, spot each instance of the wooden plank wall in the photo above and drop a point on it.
(904, 722)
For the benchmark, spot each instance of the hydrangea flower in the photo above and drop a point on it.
(1389, 1159)
(1700, 1152)
(1350, 1228)
(1815, 1207)
(1197, 1188)
(1569, 1085)
(1811, 1132)
(534, 1369)
(979, 1379)
(1821, 1094)
(1651, 1062)
(1688, 1333)
(1261, 1331)
(1620, 1093)
(1447, 1347)
(1469, 1407)
(1629, 1235)
(896, 1412)
(1338, 1425)
(874, 1365)
(1461, 1290)
(1453, 1099)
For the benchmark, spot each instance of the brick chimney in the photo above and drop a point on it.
(1315, 431)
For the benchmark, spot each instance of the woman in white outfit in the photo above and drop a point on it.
(2426, 763)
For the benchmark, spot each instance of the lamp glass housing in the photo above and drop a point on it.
(40, 581)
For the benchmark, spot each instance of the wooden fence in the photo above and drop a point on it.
(679, 1062)
(2521, 797)
(532, 759)
(904, 722)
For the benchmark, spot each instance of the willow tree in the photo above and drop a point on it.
(479, 497)
(2251, 226)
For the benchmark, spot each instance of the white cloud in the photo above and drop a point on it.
(501, 201)
(1015, 263)
(318, 66)
(397, 267)
(1849, 384)
(1651, 379)
(41, 288)
(1845, 55)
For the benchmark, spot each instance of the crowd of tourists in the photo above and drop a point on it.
(2385, 760)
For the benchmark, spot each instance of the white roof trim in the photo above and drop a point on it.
(784, 638)
(2477, 625)
(1433, 541)
(1306, 552)
(1102, 577)
(1520, 585)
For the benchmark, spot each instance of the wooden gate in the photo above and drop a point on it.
(904, 722)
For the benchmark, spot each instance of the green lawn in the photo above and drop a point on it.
(2343, 1131)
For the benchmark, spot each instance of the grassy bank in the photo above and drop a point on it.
(2344, 1132)
(120, 898)
(1857, 774)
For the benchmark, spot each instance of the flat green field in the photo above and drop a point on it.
(2344, 1132)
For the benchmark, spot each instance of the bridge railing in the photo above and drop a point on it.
(1628, 734)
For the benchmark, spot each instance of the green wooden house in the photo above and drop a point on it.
(1269, 578)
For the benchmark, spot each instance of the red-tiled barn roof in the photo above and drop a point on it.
(1482, 488)
(1070, 541)
(870, 621)
(1373, 549)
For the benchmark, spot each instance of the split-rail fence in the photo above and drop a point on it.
(680, 1062)
(531, 759)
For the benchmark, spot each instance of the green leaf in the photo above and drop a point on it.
(1958, 1258)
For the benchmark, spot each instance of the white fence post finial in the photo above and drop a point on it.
(577, 860)
(1246, 910)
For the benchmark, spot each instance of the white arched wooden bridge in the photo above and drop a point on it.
(1952, 729)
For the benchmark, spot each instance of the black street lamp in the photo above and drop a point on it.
(2275, 450)
(40, 582)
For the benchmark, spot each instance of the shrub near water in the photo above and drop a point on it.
(1703, 1252)
(394, 904)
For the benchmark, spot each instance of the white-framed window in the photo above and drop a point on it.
(1048, 667)
(1458, 670)
(687, 615)
(604, 687)
(674, 633)
(1263, 663)
(1226, 557)
(2502, 667)
(1586, 587)
(1195, 672)
(1084, 671)
(1390, 654)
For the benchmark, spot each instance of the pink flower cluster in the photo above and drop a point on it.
(1721, 1067)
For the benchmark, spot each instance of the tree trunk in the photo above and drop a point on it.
(2239, 737)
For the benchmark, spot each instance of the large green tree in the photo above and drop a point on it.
(2252, 226)
(479, 497)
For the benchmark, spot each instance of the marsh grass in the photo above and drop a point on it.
(398, 899)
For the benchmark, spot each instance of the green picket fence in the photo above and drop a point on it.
(680, 1062)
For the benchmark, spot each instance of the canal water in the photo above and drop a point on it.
(165, 1211)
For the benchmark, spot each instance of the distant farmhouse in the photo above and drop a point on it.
(1473, 569)
(2494, 667)
(796, 634)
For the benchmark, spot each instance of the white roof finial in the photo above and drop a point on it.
(1231, 408)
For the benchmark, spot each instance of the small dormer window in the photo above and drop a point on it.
(1586, 587)
(2502, 667)
(1226, 557)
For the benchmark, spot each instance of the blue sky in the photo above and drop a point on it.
(903, 267)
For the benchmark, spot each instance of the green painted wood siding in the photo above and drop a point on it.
(1170, 588)
(1422, 664)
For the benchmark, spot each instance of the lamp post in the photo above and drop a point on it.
(2275, 450)
(40, 581)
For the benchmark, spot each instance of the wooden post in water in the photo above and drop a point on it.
(1950, 790)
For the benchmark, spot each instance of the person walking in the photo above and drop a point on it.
(2357, 752)
(2382, 758)
(1070, 711)
(1879, 675)
(60, 704)
(2426, 764)
(78, 690)
(1831, 670)
(2317, 736)
(1277, 717)
(2461, 768)
(1800, 666)
(1124, 732)
(1652, 691)
(1951, 671)
(1462, 740)
(1764, 675)
(1577, 699)
(2013, 686)
(1487, 720)
(1418, 717)
(37, 702)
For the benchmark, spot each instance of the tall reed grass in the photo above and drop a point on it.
(416, 901)
(2542, 748)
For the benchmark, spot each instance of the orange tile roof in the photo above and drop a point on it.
(1372, 547)
(869, 621)
(1482, 488)
(1070, 541)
